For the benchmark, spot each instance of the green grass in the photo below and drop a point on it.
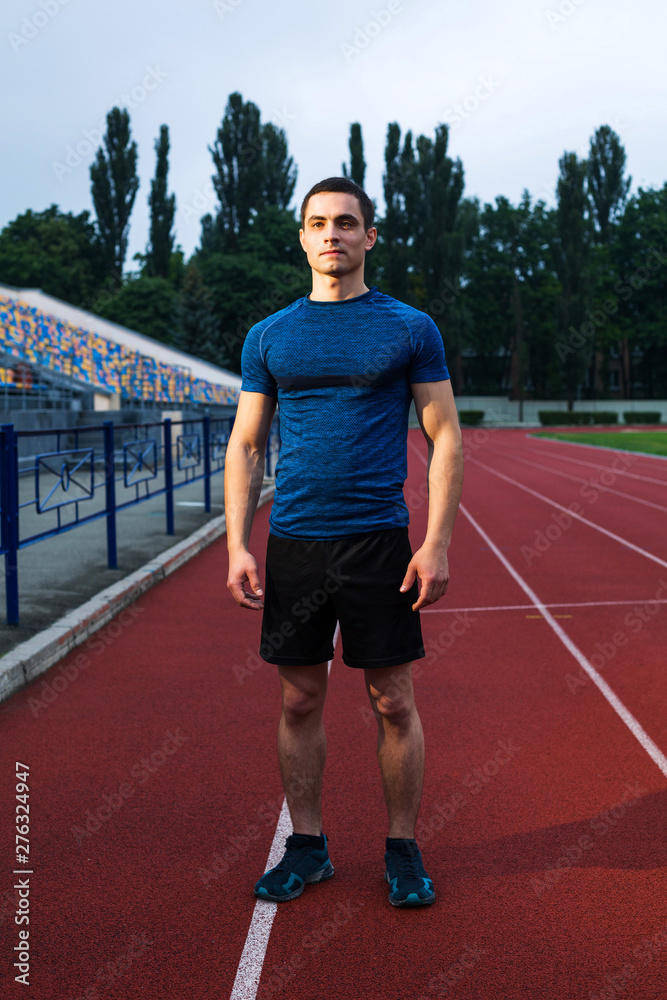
(650, 442)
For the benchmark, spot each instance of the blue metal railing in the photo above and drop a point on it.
(89, 473)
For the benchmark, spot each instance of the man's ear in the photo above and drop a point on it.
(371, 237)
(301, 240)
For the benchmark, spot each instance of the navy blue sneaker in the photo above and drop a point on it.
(409, 883)
(301, 863)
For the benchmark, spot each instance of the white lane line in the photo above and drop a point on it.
(246, 983)
(595, 485)
(595, 465)
(633, 725)
(251, 963)
(571, 513)
(525, 607)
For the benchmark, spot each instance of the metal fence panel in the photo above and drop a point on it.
(47, 492)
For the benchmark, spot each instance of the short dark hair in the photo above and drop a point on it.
(347, 186)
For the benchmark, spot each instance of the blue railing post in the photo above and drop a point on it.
(168, 475)
(110, 489)
(9, 483)
(206, 431)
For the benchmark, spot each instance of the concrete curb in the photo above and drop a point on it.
(34, 657)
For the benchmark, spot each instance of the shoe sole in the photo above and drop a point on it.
(321, 875)
(412, 899)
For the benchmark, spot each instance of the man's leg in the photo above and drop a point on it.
(302, 746)
(302, 752)
(400, 747)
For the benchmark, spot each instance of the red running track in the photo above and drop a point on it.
(153, 763)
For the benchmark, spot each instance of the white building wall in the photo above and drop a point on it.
(499, 409)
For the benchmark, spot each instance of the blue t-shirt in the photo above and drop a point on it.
(342, 374)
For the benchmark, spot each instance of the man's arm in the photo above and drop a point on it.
(436, 410)
(244, 473)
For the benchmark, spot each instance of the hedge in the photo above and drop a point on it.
(471, 417)
(642, 417)
(553, 418)
(605, 417)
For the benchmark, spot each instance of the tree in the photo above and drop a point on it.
(144, 304)
(162, 209)
(433, 214)
(266, 272)
(55, 251)
(253, 171)
(394, 231)
(639, 293)
(279, 177)
(607, 187)
(608, 191)
(357, 170)
(423, 233)
(249, 255)
(540, 295)
(197, 330)
(489, 293)
(573, 258)
(114, 185)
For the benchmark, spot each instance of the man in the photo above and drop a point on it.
(344, 364)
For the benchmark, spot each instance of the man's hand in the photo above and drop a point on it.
(242, 570)
(430, 565)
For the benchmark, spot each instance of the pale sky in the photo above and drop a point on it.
(531, 79)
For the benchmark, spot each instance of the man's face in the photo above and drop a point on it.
(334, 236)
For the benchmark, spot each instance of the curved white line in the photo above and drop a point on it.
(628, 718)
(595, 465)
(571, 513)
(587, 482)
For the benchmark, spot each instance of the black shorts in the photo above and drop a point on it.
(311, 584)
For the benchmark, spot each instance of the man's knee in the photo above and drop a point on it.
(394, 705)
(303, 702)
(391, 694)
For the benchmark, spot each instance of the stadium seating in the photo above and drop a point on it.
(44, 342)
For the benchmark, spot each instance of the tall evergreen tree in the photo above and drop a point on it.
(357, 169)
(279, 172)
(607, 186)
(608, 190)
(423, 232)
(162, 209)
(114, 184)
(398, 184)
(238, 162)
(573, 259)
(253, 171)
(437, 238)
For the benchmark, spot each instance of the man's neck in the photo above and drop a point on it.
(327, 288)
